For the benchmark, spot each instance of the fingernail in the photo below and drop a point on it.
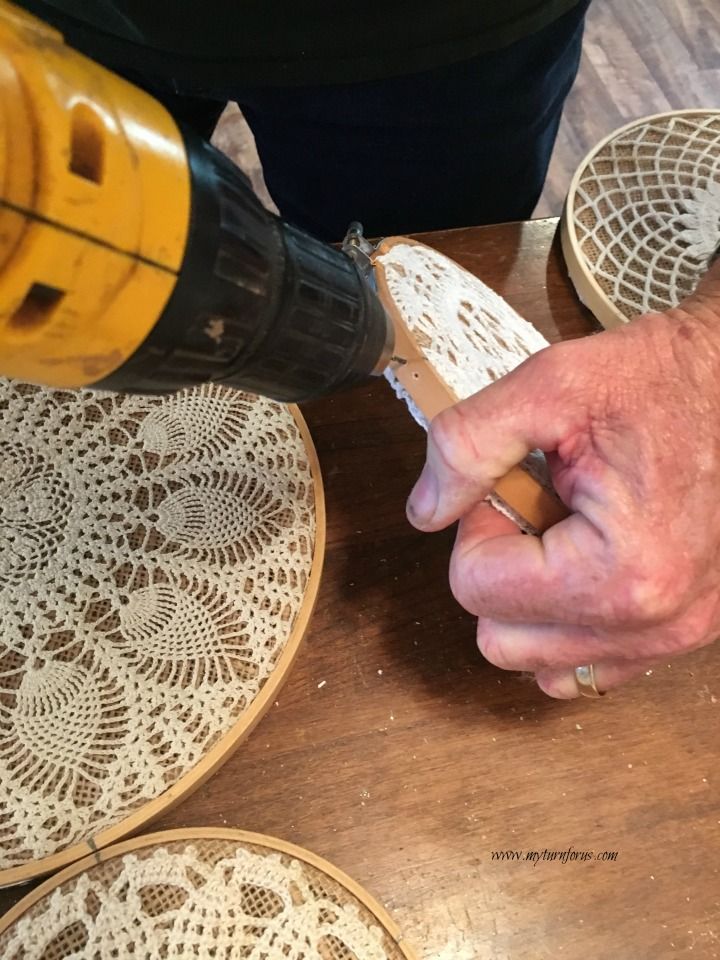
(422, 502)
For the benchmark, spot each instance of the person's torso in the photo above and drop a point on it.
(281, 42)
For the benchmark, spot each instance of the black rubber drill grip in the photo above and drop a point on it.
(258, 304)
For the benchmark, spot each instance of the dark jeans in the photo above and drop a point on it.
(461, 145)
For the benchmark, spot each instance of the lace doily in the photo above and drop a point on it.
(469, 334)
(642, 217)
(156, 570)
(211, 894)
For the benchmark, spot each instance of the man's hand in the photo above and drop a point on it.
(630, 423)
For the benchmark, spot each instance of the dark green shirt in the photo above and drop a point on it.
(209, 44)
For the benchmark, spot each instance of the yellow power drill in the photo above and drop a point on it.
(135, 257)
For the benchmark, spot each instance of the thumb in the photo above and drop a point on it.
(474, 443)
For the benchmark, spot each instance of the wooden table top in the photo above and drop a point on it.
(399, 754)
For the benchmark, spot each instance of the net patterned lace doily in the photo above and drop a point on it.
(200, 897)
(154, 556)
(645, 211)
(469, 334)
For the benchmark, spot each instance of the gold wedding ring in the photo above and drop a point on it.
(585, 680)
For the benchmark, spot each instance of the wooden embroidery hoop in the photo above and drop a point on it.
(211, 833)
(579, 269)
(431, 394)
(235, 736)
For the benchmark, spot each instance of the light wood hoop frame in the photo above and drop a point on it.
(586, 286)
(212, 833)
(431, 395)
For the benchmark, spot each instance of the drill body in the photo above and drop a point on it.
(135, 257)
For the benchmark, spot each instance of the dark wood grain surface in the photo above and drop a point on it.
(396, 752)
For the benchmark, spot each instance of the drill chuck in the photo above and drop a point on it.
(258, 304)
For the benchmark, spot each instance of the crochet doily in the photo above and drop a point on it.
(642, 218)
(202, 897)
(155, 555)
(470, 335)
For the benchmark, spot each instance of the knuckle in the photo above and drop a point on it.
(653, 594)
(454, 436)
(491, 646)
(553, 361)
(448, 434)
(461, 582)
(560, 364)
